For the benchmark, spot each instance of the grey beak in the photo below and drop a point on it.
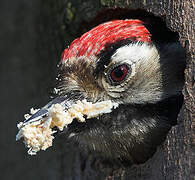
(43, 112)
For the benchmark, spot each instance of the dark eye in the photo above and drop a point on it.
(119, 73)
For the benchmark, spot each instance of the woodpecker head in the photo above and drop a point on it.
(119, 61)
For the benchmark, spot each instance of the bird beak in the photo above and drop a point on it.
(65, 101)
(38, 131)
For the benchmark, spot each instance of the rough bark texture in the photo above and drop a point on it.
(33, 35)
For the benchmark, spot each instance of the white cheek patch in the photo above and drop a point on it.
(134, 52)
(145, 63)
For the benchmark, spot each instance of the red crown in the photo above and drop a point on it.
(95, 40)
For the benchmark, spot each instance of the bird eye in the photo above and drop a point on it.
(119, 73)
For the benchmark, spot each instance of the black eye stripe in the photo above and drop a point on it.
(104, 57)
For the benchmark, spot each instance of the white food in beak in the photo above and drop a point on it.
(38, 135)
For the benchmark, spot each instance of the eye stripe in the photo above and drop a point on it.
(104, 58)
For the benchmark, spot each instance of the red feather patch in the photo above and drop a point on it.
(95, 40)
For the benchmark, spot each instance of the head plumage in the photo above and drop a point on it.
(95, 40)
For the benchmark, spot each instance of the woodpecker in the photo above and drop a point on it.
(120, 60)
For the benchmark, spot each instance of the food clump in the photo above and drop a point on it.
(38, 135)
